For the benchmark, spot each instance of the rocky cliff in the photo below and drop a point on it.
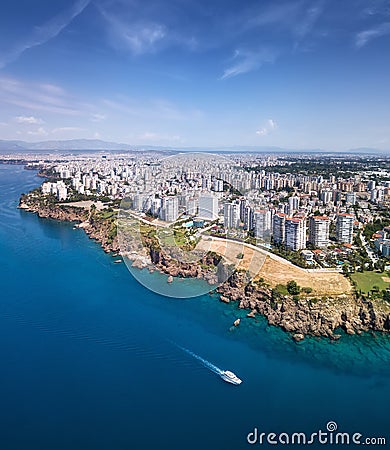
(100, 230)
(307, 315)
(299, 315)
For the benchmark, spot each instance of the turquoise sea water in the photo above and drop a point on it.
(90, 359)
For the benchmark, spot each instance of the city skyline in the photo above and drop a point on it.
(296, 74)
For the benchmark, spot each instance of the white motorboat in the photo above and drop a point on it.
(230, 377)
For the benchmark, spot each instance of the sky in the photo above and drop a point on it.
(297, 74)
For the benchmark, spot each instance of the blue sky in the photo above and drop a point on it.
(297, 74)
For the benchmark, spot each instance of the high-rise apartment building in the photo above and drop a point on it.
(344, 228)
(262, 224)
(319, 231)
(169, 211)
(295, 233)
(293, 204)
(278, 228)
(208, 206)
(231, 215)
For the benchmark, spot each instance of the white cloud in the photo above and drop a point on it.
(377, 8)
(142, 39)
(306, 25)
(28, 102)
(246, 61)
(154, 108)
(33, 97)
(45, 32)
(30, 120)
(52, 89)
(364, 37)
(283, 15)
(295, 17)
(98, 117)
(137, 37)
(38, 132)
(268, 128)
(145, 27)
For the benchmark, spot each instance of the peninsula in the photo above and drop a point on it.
(318, 290)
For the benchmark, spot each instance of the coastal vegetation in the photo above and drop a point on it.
(370, 281)
(375, 226)
(293, 288)
(294, 257)
(296, 299)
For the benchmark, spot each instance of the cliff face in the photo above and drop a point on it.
(204, 269)
(63, 213)
(300, 316)
(96, 229)
(307, 316)
(304, 316)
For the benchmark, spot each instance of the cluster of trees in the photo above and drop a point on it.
(294, 257)
(75, 196)
(374, 293)
(374, 227)
(291, 288)
(324, 166)
(386, 296)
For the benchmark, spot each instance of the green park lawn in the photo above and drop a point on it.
(366, 280)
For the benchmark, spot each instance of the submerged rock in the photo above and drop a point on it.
(298, 337)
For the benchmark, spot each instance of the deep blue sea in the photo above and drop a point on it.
(90, 359)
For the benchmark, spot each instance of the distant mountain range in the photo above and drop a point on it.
(72, 144)
(96, 144)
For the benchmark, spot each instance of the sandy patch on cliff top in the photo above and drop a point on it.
(322, 283)
(275, 270)
(236, 253)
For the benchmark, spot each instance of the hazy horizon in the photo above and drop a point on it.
(100, 145)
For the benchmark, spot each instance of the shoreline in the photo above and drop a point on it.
(306, 315)
(67, 213)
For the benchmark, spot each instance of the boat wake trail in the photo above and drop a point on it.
(206, 363)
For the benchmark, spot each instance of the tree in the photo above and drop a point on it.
(293, 288)
(275, 295)
(386, 296)
(380, 265)
(307, 290)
